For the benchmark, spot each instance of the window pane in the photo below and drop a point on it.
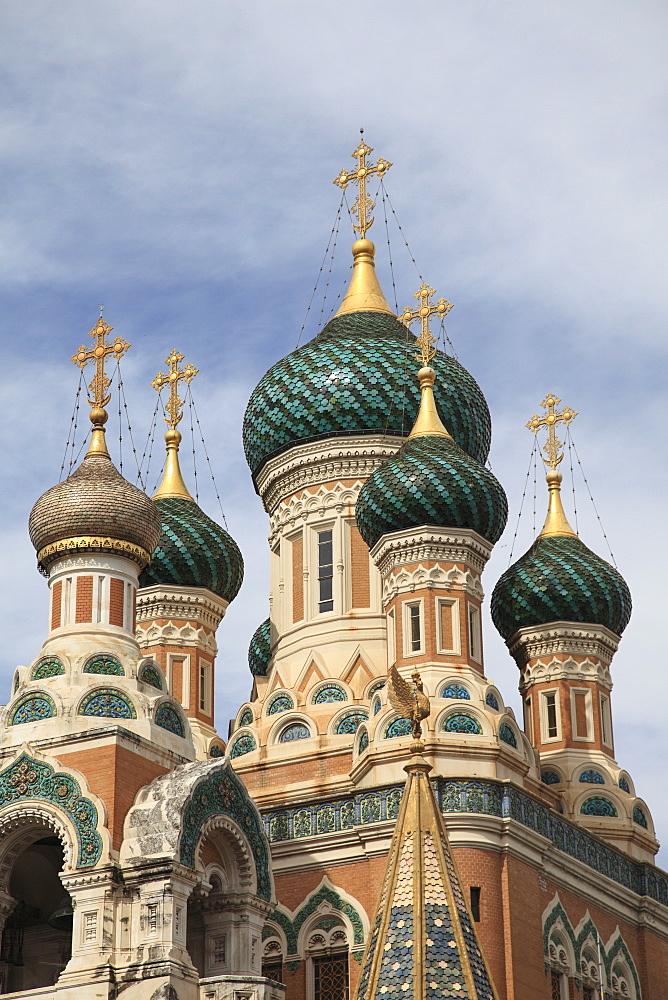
(550, 704)
(415, 628)
(325, 571)
(331, 977)
(273, 970)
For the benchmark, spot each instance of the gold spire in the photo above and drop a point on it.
(172, 484)
(363, 204)
(364, 293)
(428, 423)
(556, 522)
(100, 383)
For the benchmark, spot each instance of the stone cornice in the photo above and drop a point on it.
(566, 670)
(414, 545)
(180, 603)
(176, 635)
(554, 638)
(354, 457)
(404, 580)
(305, 506)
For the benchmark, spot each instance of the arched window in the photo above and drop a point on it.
(272, 960)
(295, 731)
(560, 966)
(327, 951)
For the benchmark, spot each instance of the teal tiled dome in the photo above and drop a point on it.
(194, 551)
(560, 579)
(259, 651)
(355, 377)
(431, 480)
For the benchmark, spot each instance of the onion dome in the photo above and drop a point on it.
(351, 379)
(560, 579)
(193, 550)
(259, 651)
(95, 510)
(431, 481)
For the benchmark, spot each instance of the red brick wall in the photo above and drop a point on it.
(56, 598)
(116, 601)
(359, 559)
(84, 600)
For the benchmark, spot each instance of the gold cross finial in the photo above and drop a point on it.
(176, 375)
(426, 340)
(363, 204)
(553, 448)
(102, 350)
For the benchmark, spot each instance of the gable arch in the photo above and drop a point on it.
(336, 902)
(618, 954)
(556, 924)
(238, 864)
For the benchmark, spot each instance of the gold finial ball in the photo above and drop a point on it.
(98, 415)
(363, 246)
(427, 375)
(173, 436)
(554, 476)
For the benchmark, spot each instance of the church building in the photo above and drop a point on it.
(377, 823)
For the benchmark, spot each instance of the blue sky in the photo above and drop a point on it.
(175, 162)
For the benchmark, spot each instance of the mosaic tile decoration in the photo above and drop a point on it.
(259, 651)
(225, 794)
(331, 692)
(194, 551)
(376, 686)
(395, 975)
(169, 718)
(358, 375)
(591, 777)
(48, 666)
(32, 708)
(242, 745)
(491, 798)
(291, 928)
(377, 705)
(624, 785)
(295, 731)
(151, 675)
(492, 701)
(560, 579)
(639, 817)
(246, 718)
(550, 778)
(107, 703)
(348, 725)
(29, 779)
(431, 480)
(461, 722)
(507, 735)
(455, 691)
(104, 663)
(597, 805)
(215, 750)
(399, 727)
(280, 703)
(363, 742)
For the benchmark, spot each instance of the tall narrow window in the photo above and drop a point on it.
(412, 628)
(475, 902)
(528, 720)
(606, 721)
(551, 721)
(325, 571)
(391, 638)
(204, 687)
(330, 977)
(474, 634)
(273, 970)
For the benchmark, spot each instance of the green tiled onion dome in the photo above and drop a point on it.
(431, 480)
(560, 579)
(259, 651)
(193, 551)
(94, 510)
(355, 377)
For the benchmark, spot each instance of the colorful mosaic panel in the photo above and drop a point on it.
(507, 734)
(281, 703)
(399, 727)
(350, 722)
(376, 686)
(597, 805)
(356, 376)
(107, 703)
(32, 780)
(169, 718)
(223, 793)
(48, 666)
(560, 579)
(259, 651)
(104, 663)
(639, 817)
(624, 785)
(32, 708)
(395, 973)
(591, 777)
(295, 731)
(246, 718)
(291, 928)
(150, 674)
(377, 705)
(492, 701)
(331, 692)
(363, 741)
(462, 722)
(443, 965)
(242, 745)
(215, 750)
(431, 481)
(550, 777)
(456, 691)
(194, 551)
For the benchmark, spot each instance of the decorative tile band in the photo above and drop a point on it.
(489, 798)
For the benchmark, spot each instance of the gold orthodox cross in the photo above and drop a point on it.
(426, 339)
(175, 376)
(552, 447)
(363, 205)
(102, 350)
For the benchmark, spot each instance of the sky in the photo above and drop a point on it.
(175, 162)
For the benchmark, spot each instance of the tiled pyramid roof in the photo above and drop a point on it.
(423, 944)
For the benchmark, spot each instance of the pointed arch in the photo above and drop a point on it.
(616, 948)
(358, 672)
(314, 670)
(350, 911)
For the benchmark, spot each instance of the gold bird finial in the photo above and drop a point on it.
(410, 701)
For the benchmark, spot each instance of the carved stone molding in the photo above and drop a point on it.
(427, 544)
(557, 669)
(306, 505)
(539, 641)
(354, 457)
(180, 603)
(404, 580)
(177, 635)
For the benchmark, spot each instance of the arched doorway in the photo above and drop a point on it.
(37, 936)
